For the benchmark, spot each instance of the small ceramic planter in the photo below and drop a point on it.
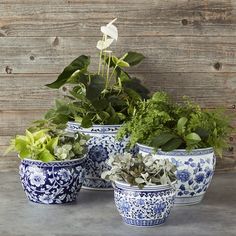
(194, 171)
(52, 182)
(149, 206)
(101, 145)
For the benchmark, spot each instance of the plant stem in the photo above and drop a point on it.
(112, 73)
(100, 56)
(108, 68)
(104, 63)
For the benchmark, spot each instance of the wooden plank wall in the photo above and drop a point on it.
(189, 45)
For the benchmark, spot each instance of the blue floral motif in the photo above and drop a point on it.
(101, 145)
(182, 187)
(64, 175)
(37, 177)
(208, 172)
(194, 172)
(140, 215)
(47, 199)
(160, 207)
(193, 164)
(52, 182)
(190, 182)
(140, 202)
(98, 153)
(125, 206)
(144, 207)
(199, 178)
(183, 175)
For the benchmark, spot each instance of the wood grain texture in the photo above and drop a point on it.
(163, 54)
(189, 45)
(29, 93)
(152, 18)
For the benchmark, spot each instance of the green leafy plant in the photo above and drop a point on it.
(49, 145)
(160, 122)
(106, 97)
(139, 170)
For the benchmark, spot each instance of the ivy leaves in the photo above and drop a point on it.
(47, 145)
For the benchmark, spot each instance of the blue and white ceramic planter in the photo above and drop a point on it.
(149, 206)
(194, 171)
(52, 182)
(101, 145)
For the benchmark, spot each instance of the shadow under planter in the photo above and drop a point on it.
(52, 182)
(101, 145)
(194, 171)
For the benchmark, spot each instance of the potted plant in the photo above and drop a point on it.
(144, 189)
(98, 103)
(52, 164)
(183, 133)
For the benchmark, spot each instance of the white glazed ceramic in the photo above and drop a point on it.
(52, 182)
(149, 206)
(194, 171)
(101, 145)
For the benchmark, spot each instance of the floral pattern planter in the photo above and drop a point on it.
(53, 182)
(194, 171)
(101, 145)
(149, 206)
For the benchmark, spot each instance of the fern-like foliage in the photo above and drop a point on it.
(163, 123)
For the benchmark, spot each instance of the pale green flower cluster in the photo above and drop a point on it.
(64, 152)
(140, 170)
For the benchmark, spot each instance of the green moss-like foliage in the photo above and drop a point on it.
(162, 123)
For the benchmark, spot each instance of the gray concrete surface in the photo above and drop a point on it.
(94, 213)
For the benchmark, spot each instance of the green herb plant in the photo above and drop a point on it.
(47, 145)
(108, 96)
(139, 170)
(160, 122)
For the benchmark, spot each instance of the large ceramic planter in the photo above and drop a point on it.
(149, 206)
(52, 182)
(101, 145)
(194, 171)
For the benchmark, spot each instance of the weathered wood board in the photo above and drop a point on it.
(190, 49)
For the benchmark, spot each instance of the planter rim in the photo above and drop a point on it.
(125, 185)
(176, 151)
(93, 126)
(53, 162)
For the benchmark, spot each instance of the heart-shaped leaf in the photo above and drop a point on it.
(181, 125)
(134, 58)
(162, 139)
(174, 143)
(80, 63)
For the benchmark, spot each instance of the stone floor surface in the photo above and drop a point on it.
(94, 213)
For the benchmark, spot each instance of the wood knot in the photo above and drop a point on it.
(64, 89)
(217, 65)
(8, 70)
(55, 42)
(231, 149)
(233, 106)
(184, 22)
(231, 139)
(32, 58)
